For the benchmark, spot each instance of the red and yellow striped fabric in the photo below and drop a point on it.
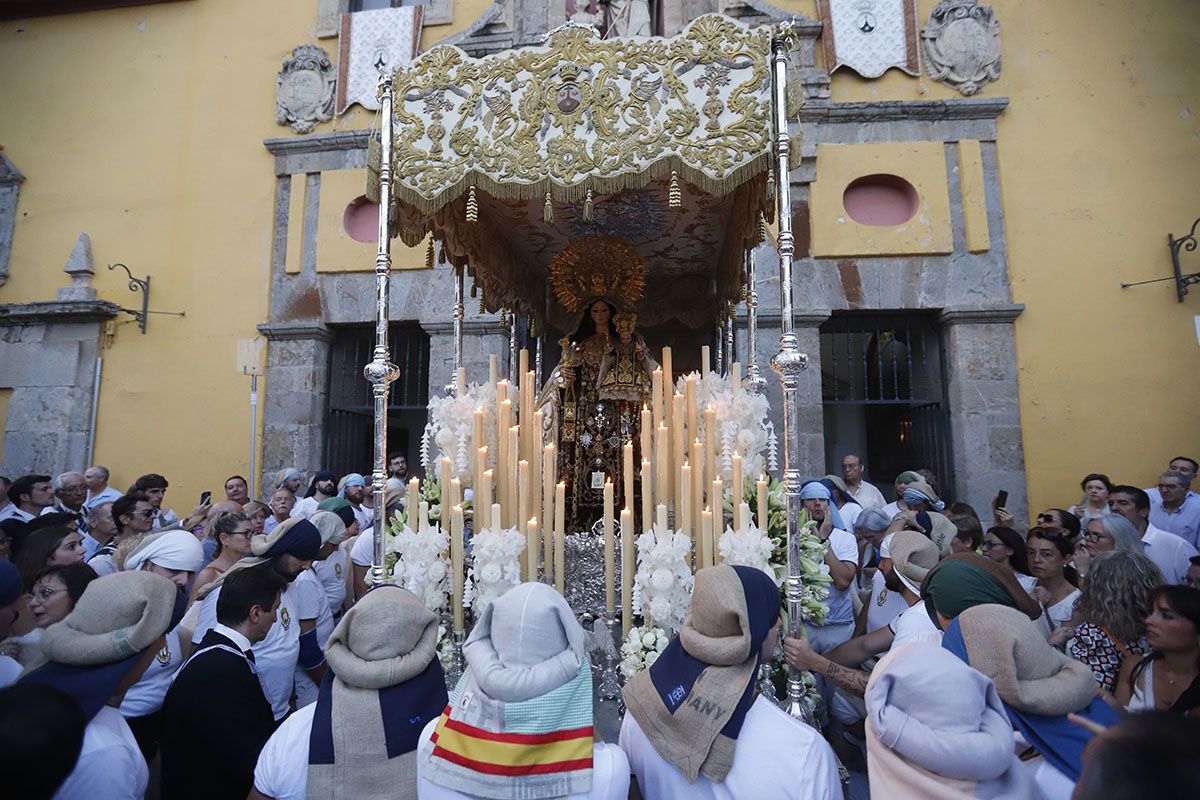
(512, 753)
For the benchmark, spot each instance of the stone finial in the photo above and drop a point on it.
(82, 269)
(304, 89)
(962, 45)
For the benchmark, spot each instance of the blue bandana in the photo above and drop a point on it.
(302, 540)
(90, 686)
(815, 490)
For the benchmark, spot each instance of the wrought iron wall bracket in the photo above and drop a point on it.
(142, 285)
(1182, 280)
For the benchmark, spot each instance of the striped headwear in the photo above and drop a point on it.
(519, 723)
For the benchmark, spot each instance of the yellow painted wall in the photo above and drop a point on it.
(144, 128)
(1099, 155)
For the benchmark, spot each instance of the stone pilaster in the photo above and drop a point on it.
(294, 404)
(985, 414)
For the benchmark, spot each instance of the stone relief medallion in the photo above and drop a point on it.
(304, 89)
(962, 45)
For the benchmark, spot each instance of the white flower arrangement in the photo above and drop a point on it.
(422, 565)
(445, 647)
(814, 573)
(750, 547)
(451, 429)
(662, 586)
(495, 567)
(742, 425)
(641, 649)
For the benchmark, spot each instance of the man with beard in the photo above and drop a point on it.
(323, 487)
(398, 467)
(289, 549)
(353, 488)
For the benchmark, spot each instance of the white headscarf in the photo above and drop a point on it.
(176, 549)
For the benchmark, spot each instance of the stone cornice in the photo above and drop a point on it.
(968, 108)
(981, 315)
(282, 331)
(58, 311)
(317, 143)
(476, 328)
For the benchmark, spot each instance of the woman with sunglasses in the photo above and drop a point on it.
(1048, 552)
(1005, 546)
(232, 532)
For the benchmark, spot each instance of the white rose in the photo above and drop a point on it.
(490, 573)
(661, 644)
(662, 579)
(648, 639)
(437, 570)
(660, 608)
(435, 512)
(651, 657)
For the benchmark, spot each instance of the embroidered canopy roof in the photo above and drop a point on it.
(665, 143)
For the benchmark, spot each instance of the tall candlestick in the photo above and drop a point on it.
(548, 465)
(660, 517)
(497, 514)
(706, 538)
(704, 359)
(410, 508)
(711, 471)
(718, 507)
(646, 432)
(683, 511)
(662, 460)
(763, 510)
(444, 480)
(483, 502)
(743, 510)
(455, 496)
(460, 381)
(560, 506)
(689, 395)
(493, 371)
(609, 568)
(736, 485)
(627, 475)
(627, 531)
(522, 494)
(678, 437)
(477, 442)
(647, 499)
(513, 483)
(656, 397)
(422, 516)
(536, 454)
(456, 566)
(735, 372)
(533, 543)
(668, 385)
(697, 456)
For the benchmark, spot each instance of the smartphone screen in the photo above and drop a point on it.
(1001, 498)
(205, 497)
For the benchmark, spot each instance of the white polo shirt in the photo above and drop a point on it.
(311, 603)
(146, 696)
(276, 655)
(884, 604)
(332, 571)
(776, 758)
(1170, 553)
(841, 607)
(110, 765)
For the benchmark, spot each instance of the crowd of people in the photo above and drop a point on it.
(239, 651)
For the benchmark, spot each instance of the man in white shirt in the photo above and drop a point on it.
(29, 495)
(95, 654)
(70, 490)
(863, 493)
(101, 528)
(353, 488)
(289, 549)
(912, 556)
(841, 556)
(323, 487)
(132, 515)
(98, 489)
(1178, 509)
(1181, 464)
(1170, 553)
(682, 733)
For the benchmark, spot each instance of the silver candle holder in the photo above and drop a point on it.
(610, 681)
(458, 664)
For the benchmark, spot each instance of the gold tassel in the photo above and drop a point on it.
(674, 195)
(472, 206)
(548, 211)
(587, 206)
(762, 228)
(429, 254)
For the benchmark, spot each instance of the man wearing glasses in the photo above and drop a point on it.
(133, 515)
(1178, 510)
(863, 493)
(1187, 466)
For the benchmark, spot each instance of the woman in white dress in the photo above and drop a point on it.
(1047, 551)
(1167, 678)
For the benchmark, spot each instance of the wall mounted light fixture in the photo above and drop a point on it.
(1182, 280)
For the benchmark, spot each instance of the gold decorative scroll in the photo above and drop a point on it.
(582, 113)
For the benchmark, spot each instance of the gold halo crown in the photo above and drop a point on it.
(595, 266)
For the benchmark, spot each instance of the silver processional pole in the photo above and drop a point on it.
(380, 372)
(789, 362)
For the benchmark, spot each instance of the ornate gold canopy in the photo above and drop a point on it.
(663, 143)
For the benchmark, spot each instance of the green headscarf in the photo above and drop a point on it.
(957, 584)
(908, 477)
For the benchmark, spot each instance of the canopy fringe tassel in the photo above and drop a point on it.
(429, 253)
(587, 206)
(548, 210)
(674, 195)
(472, 206)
